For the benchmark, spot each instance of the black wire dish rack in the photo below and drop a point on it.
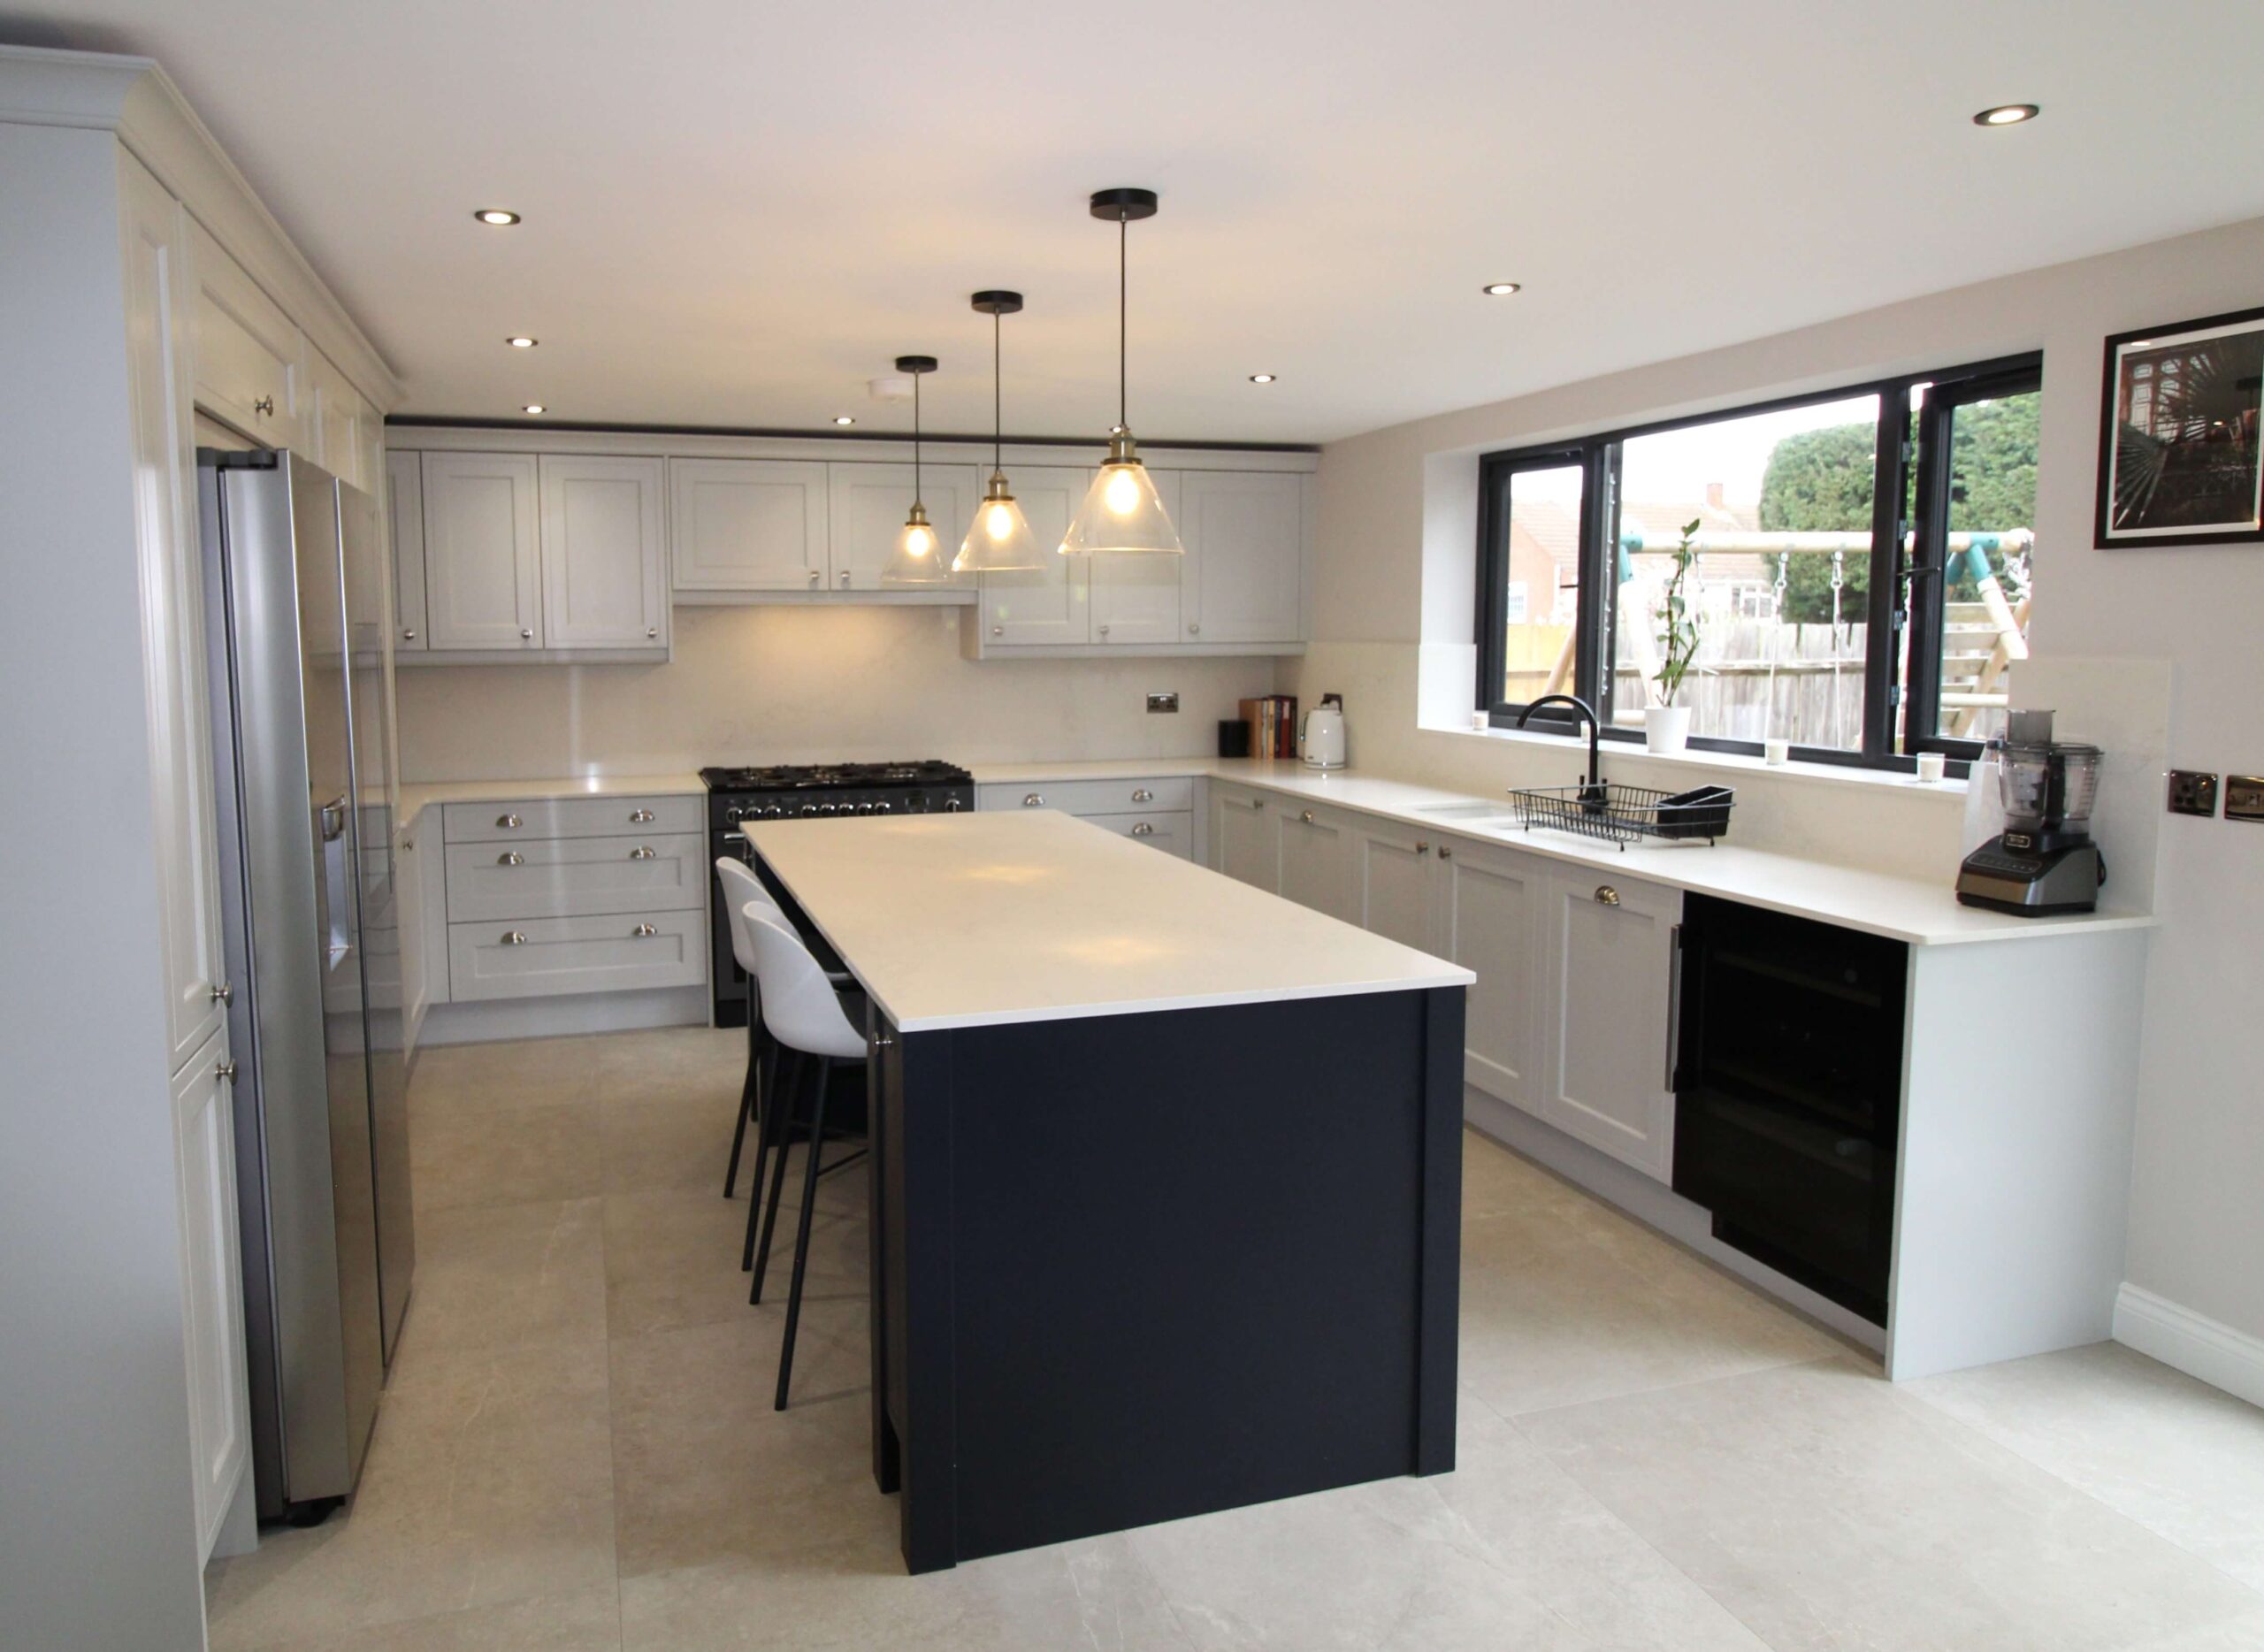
(1624, 814)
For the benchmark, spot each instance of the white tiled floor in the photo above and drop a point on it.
(578, 1450)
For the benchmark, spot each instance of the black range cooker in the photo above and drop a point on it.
(812, 790)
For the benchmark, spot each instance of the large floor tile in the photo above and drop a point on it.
(2178, 1457)
(506, 1153)
(673, 1141)
(852, 1596)
(705, 1470)
(1497, 1182)
(488, 1483)
(1562, 1546)
(520, 1073)
(1564, 1301)
(495, 1276)
(1830, 1512)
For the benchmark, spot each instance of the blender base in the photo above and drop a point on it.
(2004, 876)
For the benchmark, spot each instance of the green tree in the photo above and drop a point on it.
(1820, 481)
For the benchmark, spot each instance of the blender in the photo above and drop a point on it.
(2043, 861)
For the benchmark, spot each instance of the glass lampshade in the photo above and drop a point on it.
(918, 558)
(998, 540)
(1122, 511)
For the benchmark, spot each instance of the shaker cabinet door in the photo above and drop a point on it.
(1244, 838)
(1491, 905)
(1610, 952)
(867, 505)
(1244, 533)
(747, 525)
(1051, 605)
(1136, 598)
(604, 571)
(1317, 859)
(405, 512)
(483, 579)
(211, 1282)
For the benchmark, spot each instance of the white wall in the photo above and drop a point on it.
(98, 1515)
(802, 684)
(2151, 651)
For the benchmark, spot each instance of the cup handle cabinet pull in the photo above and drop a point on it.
(512, 938)
(1606, 896)
(644, 930)
(1034, 800)
(640, 817)
(1143, 829)
(1143, 795)
(509, 822)
(642, 851)
(526, 635)
(510, 857)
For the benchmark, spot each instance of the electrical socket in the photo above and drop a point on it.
(1168, 701)
(2192, 791)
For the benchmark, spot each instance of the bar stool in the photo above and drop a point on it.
(741, 889)
(806, 1023)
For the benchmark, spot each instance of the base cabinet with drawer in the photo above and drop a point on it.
(1572, 1016)
(550, 897)
(1155, 810)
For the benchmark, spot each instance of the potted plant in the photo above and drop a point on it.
(1666, 726)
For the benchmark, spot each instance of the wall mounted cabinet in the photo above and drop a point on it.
(604, 573)
(747, 525)
(867, 505)
(251, 363)
(482, 560)
(1242, 581)
(405, 510)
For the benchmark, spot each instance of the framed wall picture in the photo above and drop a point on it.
(2178, 434)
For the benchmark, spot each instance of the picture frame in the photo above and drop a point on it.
(2180, 437)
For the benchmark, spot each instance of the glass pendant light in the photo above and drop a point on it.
(998, 540)
(1122, 511)
(918, 559)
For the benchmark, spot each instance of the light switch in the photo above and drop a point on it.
(2244, 797)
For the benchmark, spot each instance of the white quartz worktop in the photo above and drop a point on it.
(1110, 769)
(992, 919)
(415, 796)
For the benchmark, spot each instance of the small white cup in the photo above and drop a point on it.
(1481, 721)
(1930, 767)
(1774, 752)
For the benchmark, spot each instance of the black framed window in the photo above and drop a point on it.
(1865, 560)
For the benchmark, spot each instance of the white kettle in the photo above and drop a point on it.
(1320, 742)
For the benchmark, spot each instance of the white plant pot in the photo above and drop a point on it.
(1666, 728)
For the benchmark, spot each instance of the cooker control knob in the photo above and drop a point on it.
(734, 814)
(809, 808)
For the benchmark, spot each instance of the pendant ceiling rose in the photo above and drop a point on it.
(1124, 206)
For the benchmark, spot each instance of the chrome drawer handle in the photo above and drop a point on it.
(1606, 896)
(641, 853)
(815, 576)
(1306, 816)
(509, 822)
(652, 630)
(643, 929)
(638, 817)
(1144, 796)
(226, 1072)
(510, 857)
(1034, 800)
(1143, 829)
(526, 636)
(512, 938)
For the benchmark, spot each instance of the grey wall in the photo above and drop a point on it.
(97, 1519)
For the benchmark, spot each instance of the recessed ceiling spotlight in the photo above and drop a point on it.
(2007, 115)
(843, 418)
(520, 341)
(500, 216)
(1261, 379)
(1499, 289)
(532, 407)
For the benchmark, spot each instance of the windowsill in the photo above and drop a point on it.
(1720, 762)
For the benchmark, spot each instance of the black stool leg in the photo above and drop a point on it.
(746, 1106)
(783, 1137)
(802, 1233)
(770, 1126)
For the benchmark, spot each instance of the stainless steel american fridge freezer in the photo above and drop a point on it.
(296, 582)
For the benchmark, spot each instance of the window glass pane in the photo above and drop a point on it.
(1541, 601)
(1990, 561)
(1779, 588)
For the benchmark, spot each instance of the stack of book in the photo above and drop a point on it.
(1272, 720)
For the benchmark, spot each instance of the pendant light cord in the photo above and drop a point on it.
(915, 439)
(998, 405)
(1123, 249)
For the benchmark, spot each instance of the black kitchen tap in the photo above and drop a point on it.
(1593, 793)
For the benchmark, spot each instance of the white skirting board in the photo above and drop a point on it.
(2190, 1342)
(488, 1019)
(1656, 1206)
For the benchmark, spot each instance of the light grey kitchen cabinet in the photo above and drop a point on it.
(1163, 829)
(1316, 859)
(203, 1099)
(1051, 605)
(250, 360)
(1607, 998)
(605, 581)
(576, 877)
(482, 559)
(1394, 886)
(1156, 809)
(1137, 597)
(748, 524)
(866, 507)
(1244, 578)
(1490, 907)
(405, 509)
(1245, 842)
(553, 957)
(337, 420)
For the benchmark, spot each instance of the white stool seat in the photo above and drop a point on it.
(799, 1006)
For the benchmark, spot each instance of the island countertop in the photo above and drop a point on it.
(975, 919)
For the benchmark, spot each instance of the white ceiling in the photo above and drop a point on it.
(737, 213)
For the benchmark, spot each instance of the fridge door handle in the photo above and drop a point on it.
(334, 819)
